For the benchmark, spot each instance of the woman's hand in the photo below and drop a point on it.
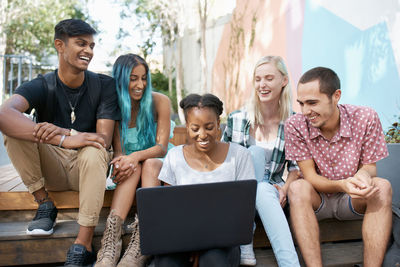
(124, 166)
(282, 195)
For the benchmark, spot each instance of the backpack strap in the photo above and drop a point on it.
(50, 83)
(94, 88)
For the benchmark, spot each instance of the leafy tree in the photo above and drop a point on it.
(167, 17)
(29, 25)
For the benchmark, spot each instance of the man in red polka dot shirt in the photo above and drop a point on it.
(336, 147)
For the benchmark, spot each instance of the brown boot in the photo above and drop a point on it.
(133, 256)
(111, 243)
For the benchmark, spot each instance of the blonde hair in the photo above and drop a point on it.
(254, 107)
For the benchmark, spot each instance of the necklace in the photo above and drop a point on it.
(81, 89)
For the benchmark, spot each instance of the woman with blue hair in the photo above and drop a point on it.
(140, 138)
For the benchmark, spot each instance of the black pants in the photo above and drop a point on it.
(219, 257)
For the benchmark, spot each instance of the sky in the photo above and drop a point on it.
(107, 15)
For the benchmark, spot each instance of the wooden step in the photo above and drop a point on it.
(62, 200)
(344, 254)
(17, 248)
(330, 230)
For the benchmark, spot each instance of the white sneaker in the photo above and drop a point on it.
(247, 256)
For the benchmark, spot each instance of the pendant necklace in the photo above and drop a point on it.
(81, 89)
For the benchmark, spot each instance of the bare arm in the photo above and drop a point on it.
(14, 124)
(358, 186)
(105, 128)
(163, 109)
(116, 142)
(320, 183)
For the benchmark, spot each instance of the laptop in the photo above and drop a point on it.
(196, 217)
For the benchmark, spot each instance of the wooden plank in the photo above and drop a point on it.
(330, 230)
(333, 255)
(16, 248)
(180, 136)
(62, 200)
(11, 183)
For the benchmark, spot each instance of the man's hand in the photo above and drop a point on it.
(84, 139)
(46, 131)
(282, 195)
(359, 188)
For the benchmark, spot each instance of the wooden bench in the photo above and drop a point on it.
(342, 244)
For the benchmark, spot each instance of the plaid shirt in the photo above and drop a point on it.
(237, 131)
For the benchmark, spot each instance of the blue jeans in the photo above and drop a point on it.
(271, 213)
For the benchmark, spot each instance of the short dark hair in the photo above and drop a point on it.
(200, 101)
(72, 27)
(328, 80)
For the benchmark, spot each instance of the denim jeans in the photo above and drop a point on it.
(271, 213)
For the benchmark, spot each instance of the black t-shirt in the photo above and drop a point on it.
(86, 112)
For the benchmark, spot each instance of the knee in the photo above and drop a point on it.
(152, 165)
(92, 156)
(299, 192)
(385, 190)
(213, 257)
(265, 189)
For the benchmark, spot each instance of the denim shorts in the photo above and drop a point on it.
(337, 206)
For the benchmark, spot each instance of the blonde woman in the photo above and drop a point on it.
(259, 127)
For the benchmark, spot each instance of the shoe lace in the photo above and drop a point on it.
(43, 212)
(134, 244)
(75, 259)
(109, 245)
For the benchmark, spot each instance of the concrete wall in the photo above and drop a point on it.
(359, 39)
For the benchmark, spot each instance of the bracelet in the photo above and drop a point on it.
(61, 141)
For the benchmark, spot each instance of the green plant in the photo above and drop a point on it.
(393, 134)
(159, 82)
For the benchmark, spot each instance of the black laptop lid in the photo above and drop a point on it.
(196, 217)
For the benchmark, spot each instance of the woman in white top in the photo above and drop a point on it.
(205, 159)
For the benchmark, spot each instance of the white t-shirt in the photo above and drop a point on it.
(238, 165)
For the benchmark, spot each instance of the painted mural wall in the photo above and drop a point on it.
(358, 39)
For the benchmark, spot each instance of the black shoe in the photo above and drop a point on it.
(44, 221)
(79, 256)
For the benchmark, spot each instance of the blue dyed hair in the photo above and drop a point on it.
(145, 125)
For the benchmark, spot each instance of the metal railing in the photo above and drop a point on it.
(17, 69)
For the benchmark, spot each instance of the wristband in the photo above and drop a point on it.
(61, 141)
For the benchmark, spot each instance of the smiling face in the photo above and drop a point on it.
(320, 109)
(76, 52)
(138, 82)
(202, 125)
(269, 81)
